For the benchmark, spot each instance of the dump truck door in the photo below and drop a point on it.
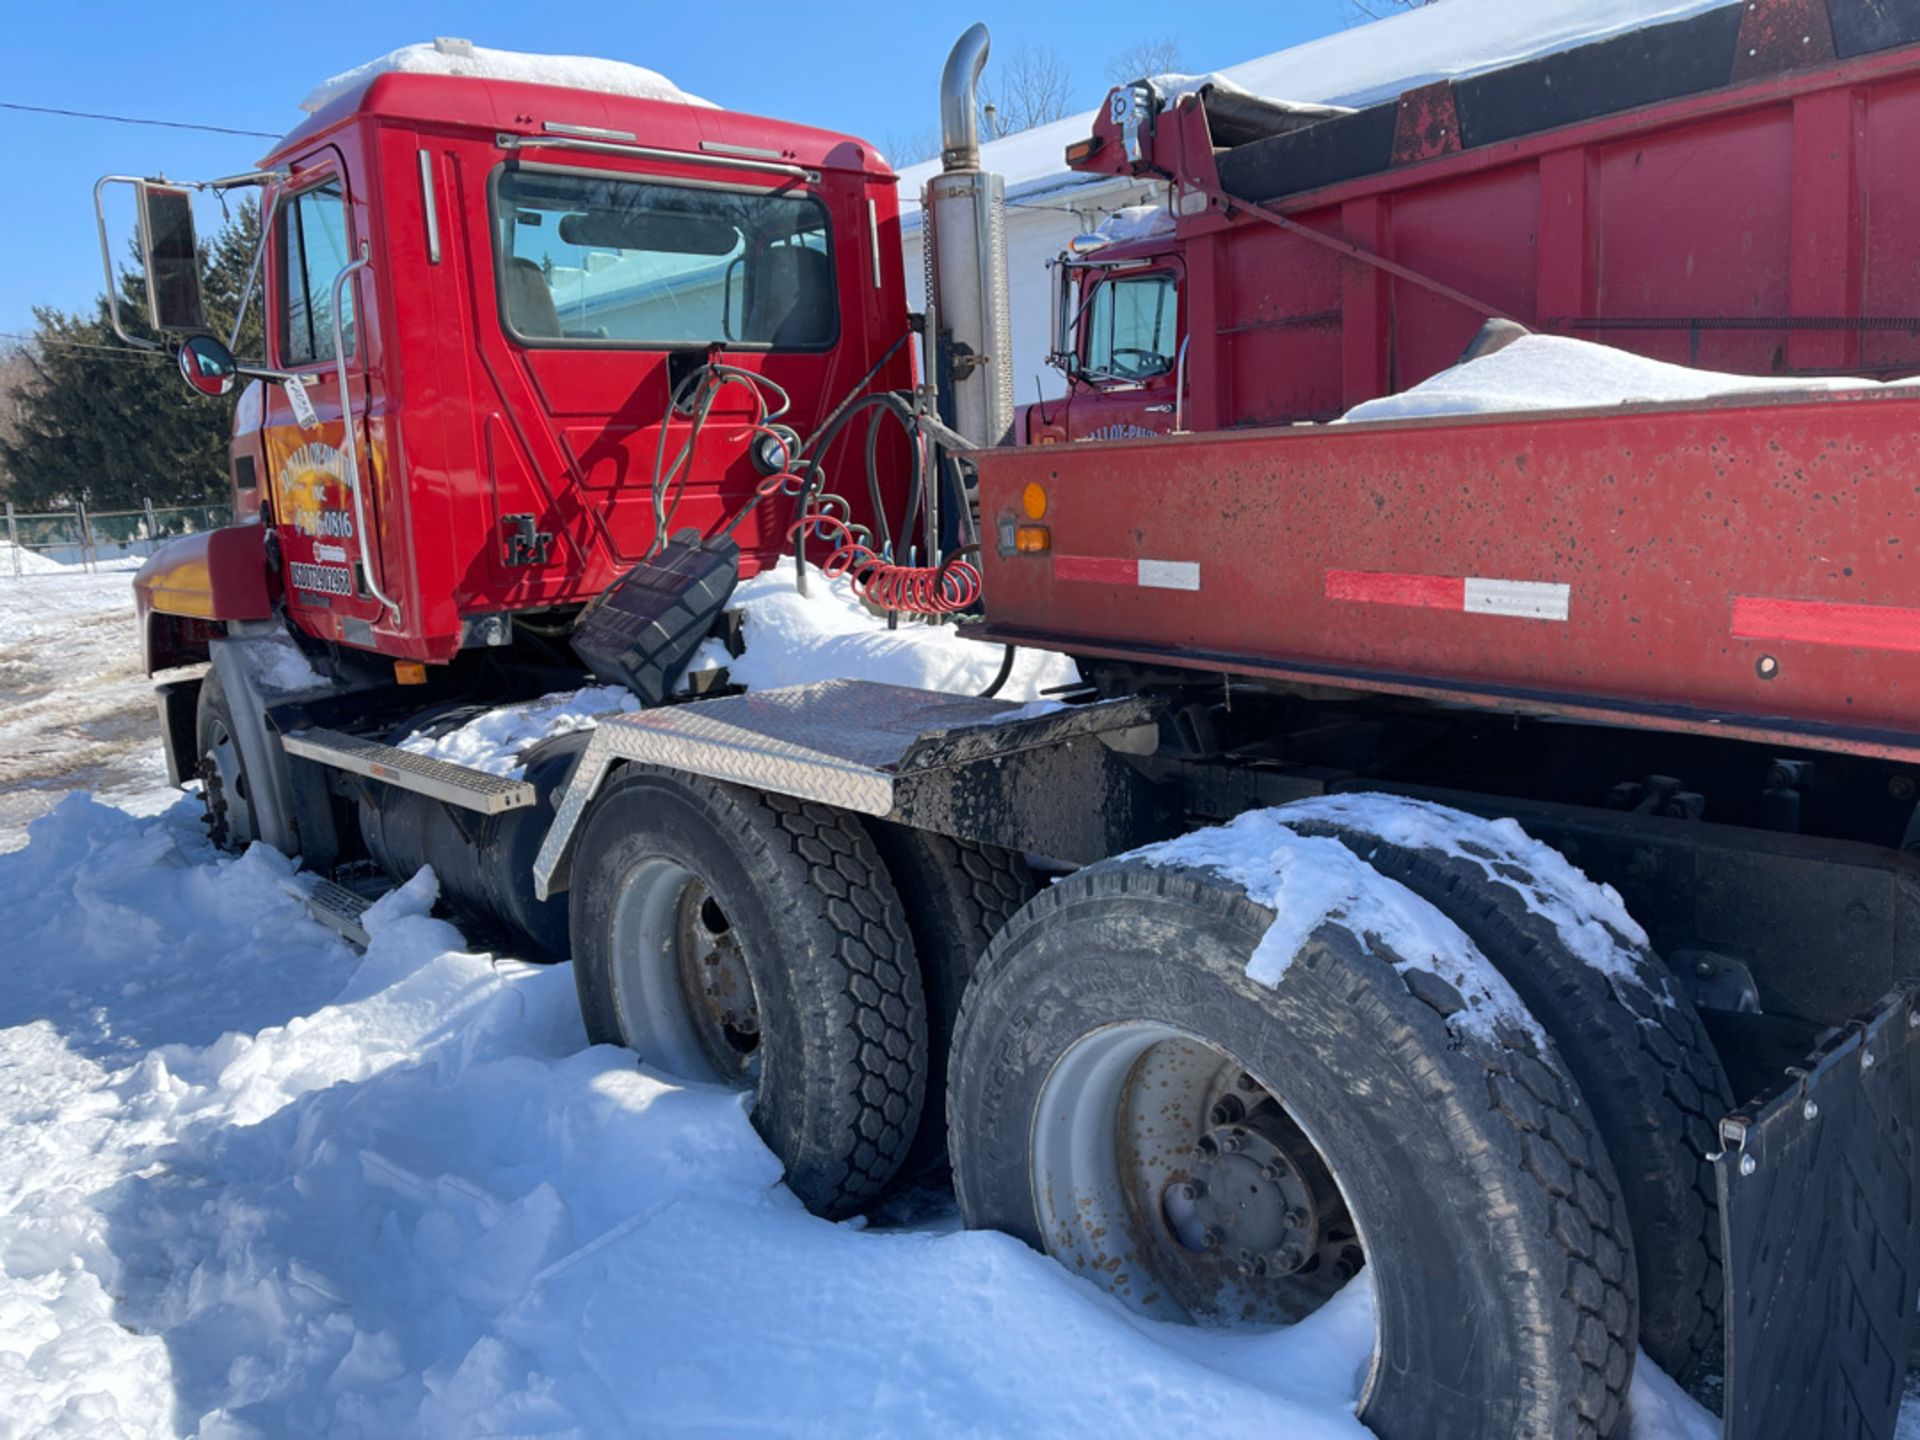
(310, 473)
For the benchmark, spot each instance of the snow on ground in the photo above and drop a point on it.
(1554, 372)
(253, 1184)
(790, 639)
(75, 711)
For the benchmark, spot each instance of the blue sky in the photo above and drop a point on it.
(870, 70)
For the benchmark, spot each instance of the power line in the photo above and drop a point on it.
(136, 120)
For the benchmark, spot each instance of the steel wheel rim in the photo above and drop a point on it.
(681, 988)
(225, 781)
(1117, 1133)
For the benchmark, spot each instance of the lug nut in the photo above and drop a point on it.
(1247, 1082)
(1288, 1259)
(1235, 1140)
(1272, 1174)
(1227, 1111)
(1213, 1237)
(1296, 1218)
(1207, 1146)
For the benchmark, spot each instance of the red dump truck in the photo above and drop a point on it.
(1482, 846)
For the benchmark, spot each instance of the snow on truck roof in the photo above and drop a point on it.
(1362, 66)
(464, 58)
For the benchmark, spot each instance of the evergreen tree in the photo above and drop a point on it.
(102, 424)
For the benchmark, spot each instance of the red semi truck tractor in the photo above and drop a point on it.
(1482, 846)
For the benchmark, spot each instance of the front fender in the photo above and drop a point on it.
(193, 585)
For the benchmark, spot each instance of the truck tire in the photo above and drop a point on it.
(224, 787)
(1631, 1038)
(754, 940)
(1115, 1016)
(958, 895)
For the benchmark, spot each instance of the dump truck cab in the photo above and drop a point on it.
(510, 297)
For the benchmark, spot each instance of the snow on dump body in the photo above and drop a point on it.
(1311, 880)
(791, 639)
(1553, 372)
(463, 58)
(1356, 67)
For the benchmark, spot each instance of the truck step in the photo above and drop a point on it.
(441, 779)
(334, 906)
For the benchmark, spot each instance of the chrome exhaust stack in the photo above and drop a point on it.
(965, 212)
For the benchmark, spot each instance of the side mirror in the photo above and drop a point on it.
(207, 365)
(171, 255)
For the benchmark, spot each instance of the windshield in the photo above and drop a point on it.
(596, 260)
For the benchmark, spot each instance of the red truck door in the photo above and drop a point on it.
(1126, 361)
(324, 553)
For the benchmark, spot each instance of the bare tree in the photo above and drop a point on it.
(1030, 87)
(1359, 12)
(909, 147)
(1145, 60)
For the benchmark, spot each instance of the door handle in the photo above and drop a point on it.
(1166, 409)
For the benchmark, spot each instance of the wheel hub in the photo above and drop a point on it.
(1247, 1198)
(716, 983)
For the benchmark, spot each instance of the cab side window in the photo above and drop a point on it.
(313, 248)
(1131, 328)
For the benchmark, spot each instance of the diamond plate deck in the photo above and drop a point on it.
(1820, 1199)
(840, 742)
(455, 784)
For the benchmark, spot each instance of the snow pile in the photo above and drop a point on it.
(1591, 918)
(827, 634)
(1353, 68)
(1309, 881)
(463, 58)
(791, 639)
(1552, 372)
(494, 742)
(253, 1185)
(75, 710)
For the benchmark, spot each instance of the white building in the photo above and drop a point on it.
(1048, 204)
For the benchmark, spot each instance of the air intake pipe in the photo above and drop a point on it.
(965, 211)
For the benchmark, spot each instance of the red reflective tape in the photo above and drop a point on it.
(1100, 569)
(1386, 587)
(1826, 622)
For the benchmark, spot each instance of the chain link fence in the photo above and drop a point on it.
(55, 541)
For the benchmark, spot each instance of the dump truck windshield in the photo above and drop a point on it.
(596, 260)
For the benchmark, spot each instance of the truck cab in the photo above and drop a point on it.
(1118, 335)
(518, 332)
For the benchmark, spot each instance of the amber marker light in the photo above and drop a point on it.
(1033, 500)
(409, 672)
(1032, 539)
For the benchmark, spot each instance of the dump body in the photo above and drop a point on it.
(1741, 567)
(1730, 191)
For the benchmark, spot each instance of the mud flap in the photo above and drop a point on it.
(1819, 1185)
(646, 626)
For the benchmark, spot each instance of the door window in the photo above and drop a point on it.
(313, 250)
(1131, 328)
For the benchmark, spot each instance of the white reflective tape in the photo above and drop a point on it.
(1522, 599)
(1170, 574)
